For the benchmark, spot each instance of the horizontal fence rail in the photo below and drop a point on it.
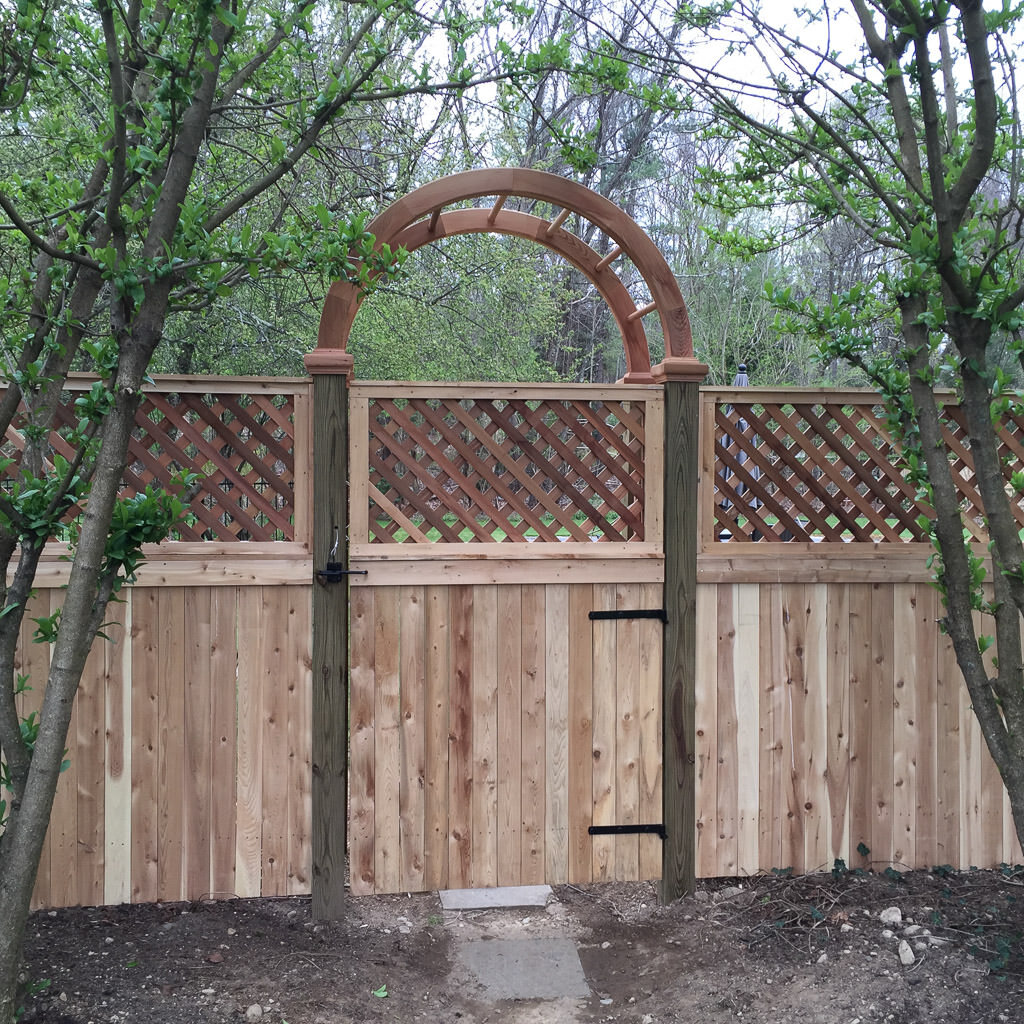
(823, 466)
(243, 439)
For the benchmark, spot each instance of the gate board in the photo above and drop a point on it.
(492, 721)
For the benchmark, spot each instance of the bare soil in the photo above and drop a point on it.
(767, 950)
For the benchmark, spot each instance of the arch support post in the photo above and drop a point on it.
(682, 406)
(330, 370)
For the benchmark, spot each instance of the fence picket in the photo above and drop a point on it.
(534, 734)
(512, 686)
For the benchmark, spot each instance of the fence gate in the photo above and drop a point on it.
(505, 684)
(506, 641)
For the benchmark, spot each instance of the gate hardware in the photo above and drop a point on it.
(631, 613)
(627, 830)
(335, 572)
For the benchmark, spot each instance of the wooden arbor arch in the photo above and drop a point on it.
(412, 222)
(420, 218)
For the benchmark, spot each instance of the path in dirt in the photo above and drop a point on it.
(516, 949)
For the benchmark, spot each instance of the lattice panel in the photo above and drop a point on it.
(240, 445)
(479, 470)
(826, 471)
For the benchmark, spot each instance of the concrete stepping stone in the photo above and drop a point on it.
(502, 896)
(525, 968)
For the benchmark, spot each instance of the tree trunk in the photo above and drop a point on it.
(85, 601)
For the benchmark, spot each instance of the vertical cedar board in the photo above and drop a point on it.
(484, 863)
(726, 709)
(649, 704)
(145, 743)
(533, 734)
(705, 733)
(604, 753)
(412, 725)
(198, 646)
(556, 674)
(117, 800)
(511, 754)
(580, 642)
(437, 655)
(361, 823)
(460, 740)
(387, 740)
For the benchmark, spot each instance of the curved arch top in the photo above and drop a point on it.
(417, 219)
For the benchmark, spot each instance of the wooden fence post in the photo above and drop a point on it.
(678, 870)
(330, 371)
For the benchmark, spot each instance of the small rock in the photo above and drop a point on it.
(729, 891)
(912, 929)
(254, 1012)
(921, 946)
(606, 945)
(906, 953)
(63, 997)
(231, 931)
(209, 991)
(823, 959)
(846, 927)
(702, 896)
(888, 933)
(891, 915)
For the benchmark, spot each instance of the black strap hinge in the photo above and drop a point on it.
(627, 830)
(631, 613)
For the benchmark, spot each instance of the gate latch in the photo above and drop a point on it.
(335, 572)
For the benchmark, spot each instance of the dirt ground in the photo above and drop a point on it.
(768, 950)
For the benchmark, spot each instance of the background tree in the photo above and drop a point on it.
(908, 132)
(472, 307)
(158, 154)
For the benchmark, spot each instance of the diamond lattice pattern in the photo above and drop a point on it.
(240, 445)
(505, 470)
(824, 471)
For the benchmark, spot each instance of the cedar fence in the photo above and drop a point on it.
(830, 711)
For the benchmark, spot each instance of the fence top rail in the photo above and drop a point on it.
(480, 389)
(204, 385)
(801, 396)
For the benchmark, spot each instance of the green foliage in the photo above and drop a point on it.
(157, 160)
(475, 307)
(890, 135)
(144, 518)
